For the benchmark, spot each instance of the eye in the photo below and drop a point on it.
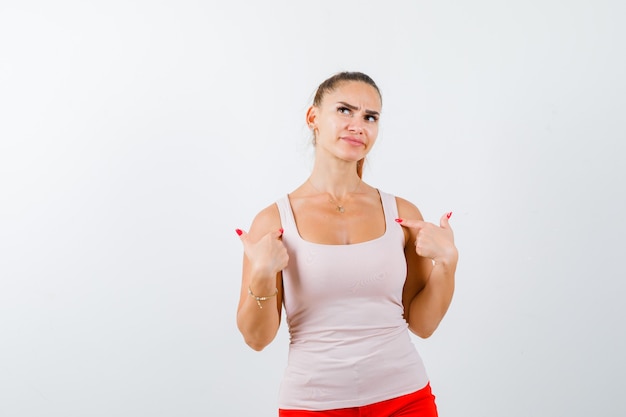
(344, 110)
(371, 118)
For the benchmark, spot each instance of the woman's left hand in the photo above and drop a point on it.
(432, 241)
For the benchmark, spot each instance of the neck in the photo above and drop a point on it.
(339, 183)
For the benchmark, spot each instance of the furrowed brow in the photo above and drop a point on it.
(352, 107)
(348, 105)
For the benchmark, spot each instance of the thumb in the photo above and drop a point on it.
(444, 222)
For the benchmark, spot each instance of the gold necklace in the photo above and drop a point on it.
(339, 207)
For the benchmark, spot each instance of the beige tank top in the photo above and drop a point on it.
(349, 343)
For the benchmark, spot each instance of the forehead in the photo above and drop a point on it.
(354, 92)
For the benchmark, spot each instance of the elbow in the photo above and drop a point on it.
(256, 336)
(255, 340)
(424, 332)
(255, 345)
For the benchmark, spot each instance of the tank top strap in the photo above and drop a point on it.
(390, 207)
(287, 219)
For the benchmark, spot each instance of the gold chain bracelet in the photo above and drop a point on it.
(259, 299)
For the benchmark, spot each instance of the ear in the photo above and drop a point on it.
(311, 117)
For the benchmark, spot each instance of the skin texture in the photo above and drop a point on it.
(345, 128)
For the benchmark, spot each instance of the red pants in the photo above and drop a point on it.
(418, 404)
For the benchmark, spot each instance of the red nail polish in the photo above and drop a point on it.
(449, 214)
(399, 220)
(239, 232)
(281, 230)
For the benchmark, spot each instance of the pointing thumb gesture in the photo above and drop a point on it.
(432, 241)
(268, 255)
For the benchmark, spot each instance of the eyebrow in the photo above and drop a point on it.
(352, 107)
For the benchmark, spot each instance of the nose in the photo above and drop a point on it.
(356, 126)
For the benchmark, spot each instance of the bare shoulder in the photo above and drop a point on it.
(267, 220)
(408, 210)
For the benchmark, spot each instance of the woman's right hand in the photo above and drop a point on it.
(267, 256)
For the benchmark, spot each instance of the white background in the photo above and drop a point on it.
(136, 136)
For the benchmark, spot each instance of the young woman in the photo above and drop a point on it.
(355, 268)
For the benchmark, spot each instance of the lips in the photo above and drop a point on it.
(353, 141)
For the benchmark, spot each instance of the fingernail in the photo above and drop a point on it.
(281, 230)
(399, 220)
(449, 214)
(239, 232)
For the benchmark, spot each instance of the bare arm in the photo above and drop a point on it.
(264, 258)
(429, 285)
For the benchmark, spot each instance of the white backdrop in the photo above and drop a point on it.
(136, 136)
